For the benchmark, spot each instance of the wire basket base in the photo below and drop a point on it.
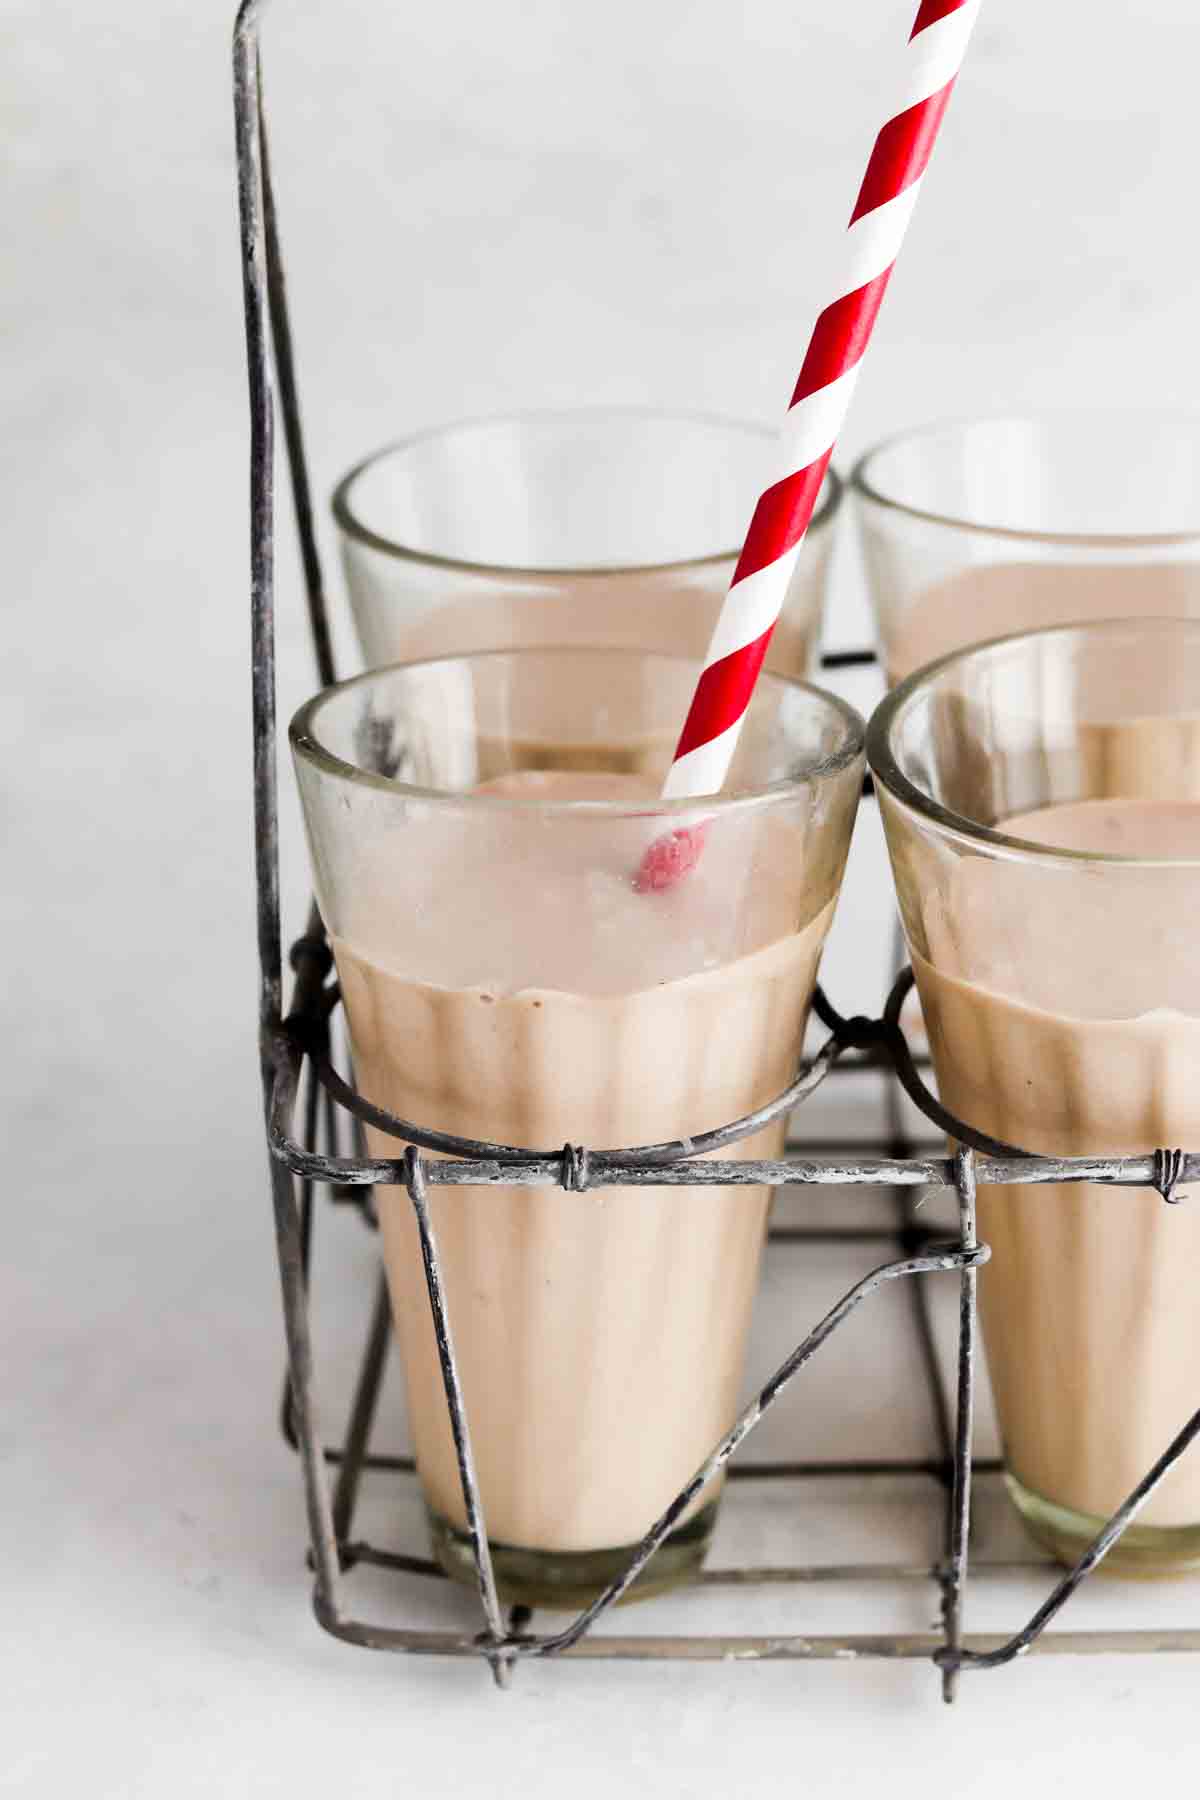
(895, 1574)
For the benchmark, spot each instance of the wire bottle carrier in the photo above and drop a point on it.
(298, 1071)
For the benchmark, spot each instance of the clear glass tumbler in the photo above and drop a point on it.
(1041, 798)
(984, 527)
(615, 528)
(475, 826)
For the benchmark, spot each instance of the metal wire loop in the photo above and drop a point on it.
(315, 1043)
(306, 1030)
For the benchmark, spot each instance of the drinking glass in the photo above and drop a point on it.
(475, 826)
(979, 528)
(615, 527)
(1057, 958)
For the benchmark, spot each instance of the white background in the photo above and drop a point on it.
(484, 204)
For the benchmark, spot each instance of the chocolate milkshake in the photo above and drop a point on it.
(600, 1336)
(1041, 796)
(503, 980)
(1071, 1026)
(659, 609)
(999, 599)
(609, 527)
(974, 529)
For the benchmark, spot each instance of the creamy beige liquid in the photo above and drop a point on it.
(600, 1336)
(996, 600)
(1064, 1016)
(1122, 757)
(676, 618)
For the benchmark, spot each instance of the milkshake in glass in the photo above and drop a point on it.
(503, 980)
(981, 528)
(611, 527)
(1041, 797)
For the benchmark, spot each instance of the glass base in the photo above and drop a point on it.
(571, 1579)
(1142, 1552)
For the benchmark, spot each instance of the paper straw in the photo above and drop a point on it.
(886, 199)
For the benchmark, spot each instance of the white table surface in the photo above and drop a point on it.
(535, 205)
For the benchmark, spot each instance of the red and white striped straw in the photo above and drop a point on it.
(885, 203)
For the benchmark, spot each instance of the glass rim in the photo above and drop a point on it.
(862, 481)
(886, 770)
(342, 502)
(307, 745)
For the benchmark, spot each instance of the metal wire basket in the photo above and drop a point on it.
(296, 1059)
